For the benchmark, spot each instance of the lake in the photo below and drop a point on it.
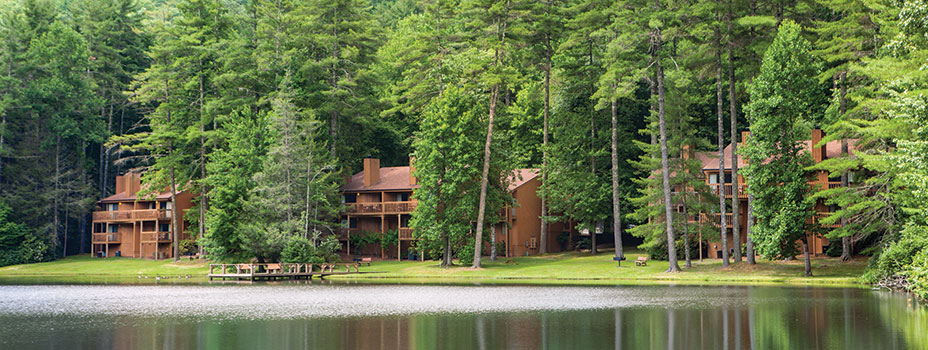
(318, 315)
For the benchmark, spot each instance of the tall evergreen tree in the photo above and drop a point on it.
(776, 175)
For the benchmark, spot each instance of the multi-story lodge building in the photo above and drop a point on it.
(723, 184)
(380, 200)
(128, 225)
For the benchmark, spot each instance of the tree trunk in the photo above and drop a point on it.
(592, 147)
(686, 214)
(616, 198)
(750, 242)
(57, 201)
(805, 255)
(175, 221)
(493, 242)
(446, 253)
(665, 167)
(543, 245)
(733, 108)
(721, 182)
(846, 250)
(482, 205)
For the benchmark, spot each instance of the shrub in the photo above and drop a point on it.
(302, 250)
(917, 274)
(897, 256)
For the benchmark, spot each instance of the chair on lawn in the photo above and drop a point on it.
(642, 261)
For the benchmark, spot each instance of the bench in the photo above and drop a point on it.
(274, 268)
(243, 267)
(365, 261)
(642, 261)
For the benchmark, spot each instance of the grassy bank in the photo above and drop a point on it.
(560, 268)
(579, 267)
(84, 265)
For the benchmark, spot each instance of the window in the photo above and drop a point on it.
(728, 178)
(350, 198)
(112, 228)
(112, 207)
(402, 197)
(353, 223)
(713, 178)
(152, 205)
(163, 205)
(164, 227)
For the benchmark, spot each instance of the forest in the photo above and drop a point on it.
(261, 108)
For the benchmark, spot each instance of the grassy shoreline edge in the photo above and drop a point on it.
(555, 269)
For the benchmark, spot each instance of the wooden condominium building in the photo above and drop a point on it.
(722, 183)
(125, 224)
(380, 200)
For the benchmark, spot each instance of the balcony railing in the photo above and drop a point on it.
(714, 217)
(742, 193)
(381, 207)
(105, 237)
(156, 237)
(144, 214)
(821, 215)
(405, 233)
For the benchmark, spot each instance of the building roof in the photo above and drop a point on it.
(391, 179)
(521, 177)
(397, 179)
(710, 160)
(124, 197)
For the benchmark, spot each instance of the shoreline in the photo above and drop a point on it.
(553, 269)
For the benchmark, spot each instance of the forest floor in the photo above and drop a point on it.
(557, 268)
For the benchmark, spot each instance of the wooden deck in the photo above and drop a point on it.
(275, 271)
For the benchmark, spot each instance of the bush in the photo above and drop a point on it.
(465, 254)
(897, 256)
(302, 250)
(188, 246)
(917, 274)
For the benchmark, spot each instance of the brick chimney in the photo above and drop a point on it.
(130, 183)
(412, 171)
(371, 171)
(818, 152)
(818, 155)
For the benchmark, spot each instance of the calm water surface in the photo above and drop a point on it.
(324, 316)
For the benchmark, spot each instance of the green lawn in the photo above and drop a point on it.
(84, 265)
(559, 268)
(579, 267)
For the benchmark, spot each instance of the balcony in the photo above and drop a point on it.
(405, 233)
(742, 193)
(714, 218)
(100, 238)
(160, 237)
(378, 208)
(132, 215)
(821, 215)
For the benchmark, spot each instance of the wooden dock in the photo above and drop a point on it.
(275, 271)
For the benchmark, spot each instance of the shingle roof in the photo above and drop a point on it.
(391, 179)
(397, 179)
(123, 197)
(710, 160)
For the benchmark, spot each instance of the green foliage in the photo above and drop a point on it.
(780, 116)
(894, 260)
(917, 274)
(315, 251)
(17, 244)
(448, 149)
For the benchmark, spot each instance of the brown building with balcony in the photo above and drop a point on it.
(127, 225)
(380, 200)
(723, 180)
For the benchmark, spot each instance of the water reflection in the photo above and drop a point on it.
(660, 317)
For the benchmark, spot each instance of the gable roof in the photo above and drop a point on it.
(397, 179)
(710, 160)
(125, 197)
(391, 179)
